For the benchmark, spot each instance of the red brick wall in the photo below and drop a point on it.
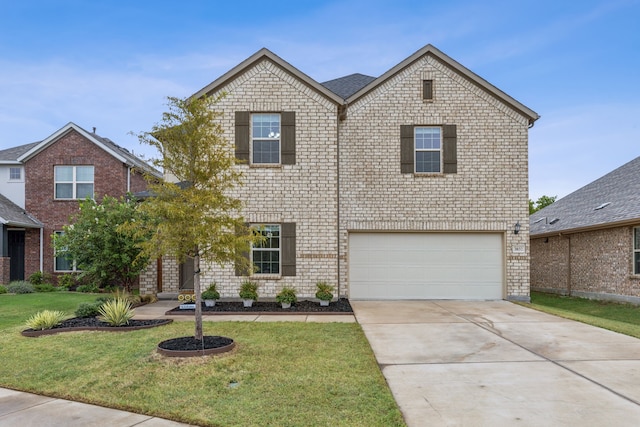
(110, 178)
(4, 270)
(591, 263)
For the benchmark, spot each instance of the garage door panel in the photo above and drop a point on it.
(426, 266)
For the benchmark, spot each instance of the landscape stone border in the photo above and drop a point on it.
(38, 333)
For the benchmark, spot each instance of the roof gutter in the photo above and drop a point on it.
(623, 223)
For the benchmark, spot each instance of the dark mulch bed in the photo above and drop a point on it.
(190, 343)
(340, 306)
(94, 324)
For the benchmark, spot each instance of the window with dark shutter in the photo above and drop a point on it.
(288, 248)
(242, 135)
(406, 149)
(409, 150)
(450, 148)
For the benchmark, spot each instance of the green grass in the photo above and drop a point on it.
(280, 374)
(618, 317)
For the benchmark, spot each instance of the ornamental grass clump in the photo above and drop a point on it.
(46, 319)
(116, 312)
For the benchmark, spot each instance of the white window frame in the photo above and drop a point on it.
(74, 181)
(417, 150)
(265, 230)
(272, 136)
(14, 169)
(635, 259)
(55, 260)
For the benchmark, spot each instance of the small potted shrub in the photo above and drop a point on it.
(286, 297)
(211, 295)
(324, 293)
(248, 292)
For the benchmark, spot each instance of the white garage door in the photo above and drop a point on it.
(426, 266)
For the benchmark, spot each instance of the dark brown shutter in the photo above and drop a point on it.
(450, 148)
(242, 269)
(288, 137)
(427, 89)
(242, 135)
(406, 149)
(288, 242)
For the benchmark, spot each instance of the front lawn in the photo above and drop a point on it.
(618, 317)
(284, 374)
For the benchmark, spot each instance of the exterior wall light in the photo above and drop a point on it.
(516, 228)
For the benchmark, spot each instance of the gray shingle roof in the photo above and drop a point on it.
(12, 154)
(348, 85)
(139, 163)
(617, 195)
(12, 214)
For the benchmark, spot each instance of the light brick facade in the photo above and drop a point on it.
(593, 264)
(347, 172)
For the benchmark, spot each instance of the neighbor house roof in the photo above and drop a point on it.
(106, 144)
(11, 155)
(612, 200)
(13, 215)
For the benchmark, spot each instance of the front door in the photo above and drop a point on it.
(186, 273)
(16, 254)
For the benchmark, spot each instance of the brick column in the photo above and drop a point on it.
(5, 270)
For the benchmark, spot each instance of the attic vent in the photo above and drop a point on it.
(554, 220)
(539, 219)
(604, 205)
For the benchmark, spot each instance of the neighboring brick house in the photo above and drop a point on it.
(43, 182)
(405, 186)
(587, 244)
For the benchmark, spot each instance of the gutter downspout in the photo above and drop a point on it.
(338, 195)
(128, 179)
(41, 249)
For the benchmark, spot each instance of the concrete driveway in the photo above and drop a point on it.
(494, 363)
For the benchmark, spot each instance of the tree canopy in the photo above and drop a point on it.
(102, 250)
(543, 201)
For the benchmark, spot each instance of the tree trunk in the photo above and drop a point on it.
(196, 288)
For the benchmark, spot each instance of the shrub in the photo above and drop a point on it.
(287, 295)
(20, 287)
(88, 288)
(249, 290)
(211, 292)
(45, 287)
(116, 312)
(104, 298)
(67, 281)
(148, 299)
(88, 309)
(46, 319)
(3, 290)
(40, 278)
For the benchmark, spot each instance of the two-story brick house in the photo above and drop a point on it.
(412, 185)
(41, 184)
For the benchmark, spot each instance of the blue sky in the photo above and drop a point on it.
(112, 64)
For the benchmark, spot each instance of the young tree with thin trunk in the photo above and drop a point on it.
(193, 211)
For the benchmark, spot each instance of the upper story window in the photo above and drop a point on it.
(15, 174)
(73, 182)
(636, 250)
(266, 255)
(265, 138)
(428, 148)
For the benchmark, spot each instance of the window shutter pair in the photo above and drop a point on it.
(287, 251)
(449, 149)
(287, 136)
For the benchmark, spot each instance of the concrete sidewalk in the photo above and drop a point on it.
(462, 363)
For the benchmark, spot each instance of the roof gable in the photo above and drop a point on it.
(254, 59)
(106, 144)
(348, 85)
(13, 215)
(457, 67)
(611, 200)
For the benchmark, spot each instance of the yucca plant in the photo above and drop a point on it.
(46, 319)
(116, 312)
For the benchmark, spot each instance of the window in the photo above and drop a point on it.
(61, 263)
(73, 182)
(428, 145)
(15, 174)
(270, 137)
(426, 149)
(266, 255)
(265, 138)
(636, 250)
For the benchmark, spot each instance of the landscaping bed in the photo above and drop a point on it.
(95, 324)
(341, 306)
